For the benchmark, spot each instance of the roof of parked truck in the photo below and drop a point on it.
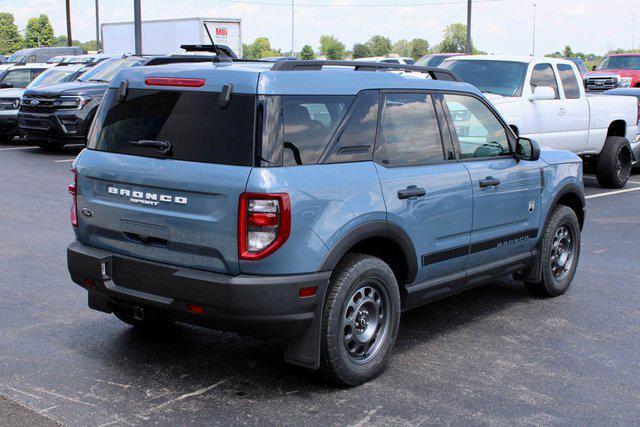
(259, 78)
(509, 58)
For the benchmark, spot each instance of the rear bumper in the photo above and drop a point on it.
(264, 306)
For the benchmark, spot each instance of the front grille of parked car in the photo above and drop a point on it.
(596, 84)
(8, 104)
(37, 105)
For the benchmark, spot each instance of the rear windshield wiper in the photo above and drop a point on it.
(99, 80)
(164, 147)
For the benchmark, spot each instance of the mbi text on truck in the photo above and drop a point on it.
(237, 196)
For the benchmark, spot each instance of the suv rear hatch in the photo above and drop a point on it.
(163, 174)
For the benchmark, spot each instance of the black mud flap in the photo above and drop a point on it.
(304, 350)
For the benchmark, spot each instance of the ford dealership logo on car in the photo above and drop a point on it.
(145, 198)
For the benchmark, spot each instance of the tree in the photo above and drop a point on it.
(379, 45)
(567, 52)
(331, 47)
(419, 48)
(307, 52)
(10, 38)
(361, 50)
(39, 32)
(402, 48)
(260, 48)
(455, 39)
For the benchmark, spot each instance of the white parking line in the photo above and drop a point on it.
(64, 160)
(17, 148)
(611, 193)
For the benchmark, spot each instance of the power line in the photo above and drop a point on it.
(436, 3)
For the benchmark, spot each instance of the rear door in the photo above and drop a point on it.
(426, 191)
(576, 109)
(162, 176)
(506, 193)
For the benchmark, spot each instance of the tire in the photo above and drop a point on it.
(151, 322)
(356, 348)
(614, 163)
(50, 146)
(560, 253)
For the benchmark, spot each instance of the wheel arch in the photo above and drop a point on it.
(378, 238)
(617, 128)
(571, 196)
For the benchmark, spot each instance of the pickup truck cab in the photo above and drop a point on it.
(237, 196)
(542, 98)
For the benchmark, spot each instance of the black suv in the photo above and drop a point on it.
(60, 114)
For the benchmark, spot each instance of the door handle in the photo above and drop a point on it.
(411, 191)
(489, 181)
(561, 112)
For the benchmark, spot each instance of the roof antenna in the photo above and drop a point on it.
(222, 57)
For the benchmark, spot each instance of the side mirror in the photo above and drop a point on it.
(541, 93)
(527, 149)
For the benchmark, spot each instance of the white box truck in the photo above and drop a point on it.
(166, 35)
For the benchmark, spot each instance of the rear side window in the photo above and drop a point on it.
(409, 135)
(192, 122)
(355, 139)
(309, 123)
(569, 81)
(543, 75)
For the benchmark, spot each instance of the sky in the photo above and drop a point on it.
(498, 26)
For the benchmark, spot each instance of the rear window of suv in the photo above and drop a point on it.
(197, 128)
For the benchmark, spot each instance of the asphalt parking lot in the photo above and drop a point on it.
(492, 355)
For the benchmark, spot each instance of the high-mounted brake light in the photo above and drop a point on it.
(73, 190)
(264, 224)
(174, 81)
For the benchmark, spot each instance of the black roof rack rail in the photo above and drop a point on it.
(301, 65)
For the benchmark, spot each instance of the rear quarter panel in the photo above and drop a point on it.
(327, 201)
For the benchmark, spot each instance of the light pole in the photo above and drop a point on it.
(533, 48)
(293, 54)
(633, 33)
(468, 27)
(97, 26)
(137, 26)
(69, 38)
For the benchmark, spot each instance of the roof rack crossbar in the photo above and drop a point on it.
(302, 65)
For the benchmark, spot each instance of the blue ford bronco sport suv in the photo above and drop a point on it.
(312, 201)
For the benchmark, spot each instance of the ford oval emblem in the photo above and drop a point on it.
(35, 102)
(87, 212)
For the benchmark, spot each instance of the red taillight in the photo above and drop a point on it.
(174, 81)
(196, 309)
(73, 190)
(264, 223)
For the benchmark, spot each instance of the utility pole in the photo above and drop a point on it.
(533, 48)
(137, 26)
(97, 26)
(633, 33)
(69, 39)
(293, 54)
(468, 27)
